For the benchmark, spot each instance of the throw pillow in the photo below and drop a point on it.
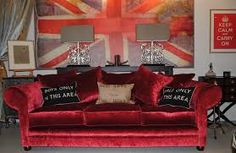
(56, 80)
(148, 85)
(60, 95)
(87, 84)
(177, 97)
(114, 78)
(181, 79)
(114, 93)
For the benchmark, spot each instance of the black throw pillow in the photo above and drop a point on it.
(60, 95)
(177, 97)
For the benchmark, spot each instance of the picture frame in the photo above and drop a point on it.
(21, 55)
(223, 31)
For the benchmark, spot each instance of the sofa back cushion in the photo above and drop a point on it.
(56, 80)
(180, 80)
(148, 85)
(87, 88)
(121, 78)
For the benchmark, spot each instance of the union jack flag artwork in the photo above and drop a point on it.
(114, 24)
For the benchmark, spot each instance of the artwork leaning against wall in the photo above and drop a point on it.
(114, 26)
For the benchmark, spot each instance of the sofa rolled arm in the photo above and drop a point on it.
(210, 96)
(25, 96)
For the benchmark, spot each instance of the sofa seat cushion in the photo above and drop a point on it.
(167, 116)
(117, 114)
(58, 115)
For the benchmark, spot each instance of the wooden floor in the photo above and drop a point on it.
(9, 143)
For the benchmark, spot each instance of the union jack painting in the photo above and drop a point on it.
(114, 24)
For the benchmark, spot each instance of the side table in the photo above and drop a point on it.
(10, 114)
(228, 85)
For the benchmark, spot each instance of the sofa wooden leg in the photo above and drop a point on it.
(199, 148)
(27, 148)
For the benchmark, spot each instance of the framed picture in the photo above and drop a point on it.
(21, 55)
(222, 30)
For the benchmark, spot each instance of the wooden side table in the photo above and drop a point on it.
(10, 114)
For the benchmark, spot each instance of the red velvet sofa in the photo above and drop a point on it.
(87, 124)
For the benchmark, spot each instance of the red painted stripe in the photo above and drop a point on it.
(55, 61)
(74, 9)
(113, 8)
(146, 6)
(104, 26)
(178, 52)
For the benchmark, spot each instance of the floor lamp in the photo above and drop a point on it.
(78, 53)
(152, 34)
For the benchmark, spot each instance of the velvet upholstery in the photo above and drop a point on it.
(112, 115)
(56, 80)
(87, 88)
(148, 85)
(29, 95)
(58, 115)
(179, 80)
(167, 116)
(121, 78)
(116, 136)
(111, 125)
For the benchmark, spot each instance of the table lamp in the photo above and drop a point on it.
(152, 34)
(78, 53)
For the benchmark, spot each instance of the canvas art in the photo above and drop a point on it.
(114, 23)
(222, 30)
(21, 55)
